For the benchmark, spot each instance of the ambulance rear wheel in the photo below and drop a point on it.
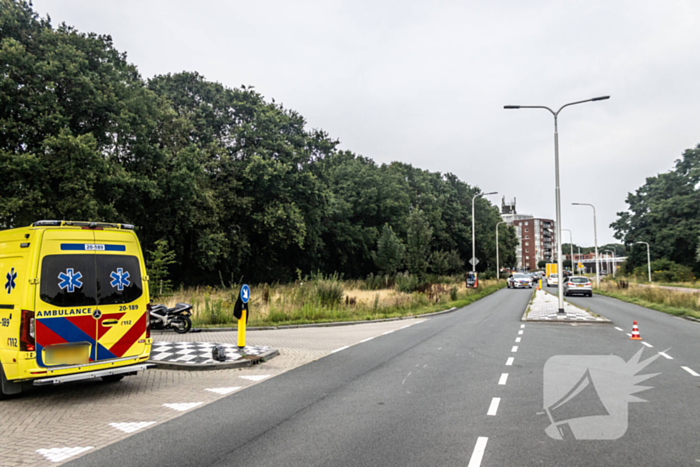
(112, 378)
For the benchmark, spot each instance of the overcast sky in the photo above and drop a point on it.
(425, 82)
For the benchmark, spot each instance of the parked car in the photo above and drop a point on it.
(519, 281)
(578, 285)
(552, 279)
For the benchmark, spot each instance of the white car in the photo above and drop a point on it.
(519, 281)
(553, 279)
(578, 285)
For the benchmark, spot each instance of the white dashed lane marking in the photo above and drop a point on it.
(520, 333)
(493, 408)
(665, 355)
(647, 344)
(517, 340)
(619, 329)
(131, 427)
(522, 326)
(504, 378)
(255, 377)
(181, 407)
(690, 371)
(478, 453)
(514, 349)
(509, 362)
(222, 391)
(61, 454)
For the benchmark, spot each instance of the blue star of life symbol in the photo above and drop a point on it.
(11, 276)
(121, 279)
(70, 280)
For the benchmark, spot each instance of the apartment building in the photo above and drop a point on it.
(536, 236)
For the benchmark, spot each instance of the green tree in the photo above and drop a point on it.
(439, 262)
(418, 249)
(664, 212)
(541, 264)
(390, 252)
(158, 275)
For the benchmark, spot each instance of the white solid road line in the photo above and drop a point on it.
(493, 408)
(690, 371)
(478, 453)
(504, 378)
(404, 327)
(342, 348)
(619, 329)
(509, 362)
(514, 349)
(647, 344)
(368, 339)
(385, 333)
(665, 355)
(517, 339)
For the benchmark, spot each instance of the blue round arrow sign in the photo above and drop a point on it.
(245, 293)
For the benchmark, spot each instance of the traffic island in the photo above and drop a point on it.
(545, 308)
(197, 356)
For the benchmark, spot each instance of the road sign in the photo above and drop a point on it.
(245, 293)
(474, 261)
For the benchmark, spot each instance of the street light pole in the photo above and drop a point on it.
(579, 260)
(608, 259)
(473, 260)
(571, 244)
(557, 190)
(498, 268)
(595, 237)
(648, 259)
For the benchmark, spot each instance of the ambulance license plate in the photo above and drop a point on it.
(67, 354)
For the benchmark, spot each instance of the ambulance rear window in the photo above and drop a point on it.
(89, 280)
(118, 279)
(68, 280)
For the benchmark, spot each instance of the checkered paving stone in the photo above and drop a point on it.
(200, 353)
(545, 307)
(50, 425)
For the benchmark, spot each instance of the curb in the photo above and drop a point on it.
(690, 318)
(246, 362)
(313, 325)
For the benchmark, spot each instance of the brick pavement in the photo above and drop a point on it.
(78, 415)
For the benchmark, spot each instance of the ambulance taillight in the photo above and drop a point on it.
(27, 332)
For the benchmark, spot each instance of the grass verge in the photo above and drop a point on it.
(673, 302)
(299, 304)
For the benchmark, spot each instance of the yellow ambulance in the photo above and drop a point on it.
(74, 304)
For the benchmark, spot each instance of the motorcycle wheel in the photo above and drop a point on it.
(182, 325)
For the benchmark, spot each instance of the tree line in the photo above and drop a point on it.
(665, 212)
(221, 181)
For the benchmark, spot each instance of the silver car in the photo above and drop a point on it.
(578, 285)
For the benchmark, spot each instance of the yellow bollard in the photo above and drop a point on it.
(540, 284)
(241, 329)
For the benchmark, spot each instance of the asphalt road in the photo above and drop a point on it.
(425, 396)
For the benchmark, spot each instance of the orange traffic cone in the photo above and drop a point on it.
(635, 332)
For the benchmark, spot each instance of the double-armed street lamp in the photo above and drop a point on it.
(473, 260)
(556, 171)
(648, 259)
(595, 238)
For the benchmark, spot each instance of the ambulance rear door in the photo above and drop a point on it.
(121, 295)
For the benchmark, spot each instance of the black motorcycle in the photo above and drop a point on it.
(176, 318)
